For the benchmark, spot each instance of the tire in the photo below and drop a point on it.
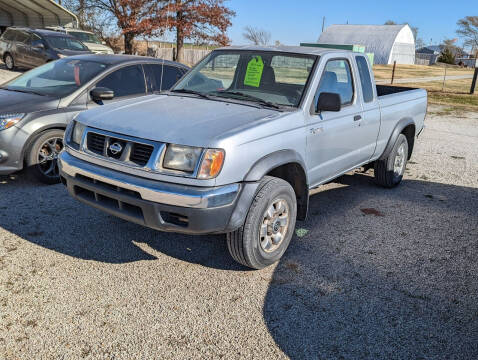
(389, 172)
(247, 245)
(42, 156)
(9, 62)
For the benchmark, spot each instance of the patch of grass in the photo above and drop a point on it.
(410, 71)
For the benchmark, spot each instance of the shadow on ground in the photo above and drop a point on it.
(372, 273)
(380, 274)
(49, 217)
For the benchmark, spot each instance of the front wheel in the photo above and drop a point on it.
(43, 155)
(268, 227)
(389, 172)
(9, 62)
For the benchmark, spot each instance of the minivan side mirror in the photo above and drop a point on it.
(39, 46)
(328, 102)
(102, 93)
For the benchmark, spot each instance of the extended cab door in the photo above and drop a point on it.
(333, 142)
(369, 125)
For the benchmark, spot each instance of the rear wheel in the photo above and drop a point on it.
(9, 62)
(268, 227)
(389, 172)
(43, 155)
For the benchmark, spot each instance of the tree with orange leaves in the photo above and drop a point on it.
(205, 20)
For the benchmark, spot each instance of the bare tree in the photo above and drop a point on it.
(468, 30)
(256, 36)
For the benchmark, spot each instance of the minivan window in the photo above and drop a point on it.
(65, 43)
(22, 37)
(130, 75)
(85, 37)
(9, 35)
(365, 80)
(337, 78)
(58, 78)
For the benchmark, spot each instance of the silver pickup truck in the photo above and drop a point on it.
(239, 141)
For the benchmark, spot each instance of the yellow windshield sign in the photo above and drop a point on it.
(254, 72)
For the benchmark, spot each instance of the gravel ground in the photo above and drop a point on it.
(373, 273)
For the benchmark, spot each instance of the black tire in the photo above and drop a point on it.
(246, 244)
(385, 171)
(9, 62)
(44, 147)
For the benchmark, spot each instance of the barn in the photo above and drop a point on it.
(389, 43)
(34, 14)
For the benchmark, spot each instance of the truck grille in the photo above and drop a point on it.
(96, 143)
(141, 153)
(120, 148)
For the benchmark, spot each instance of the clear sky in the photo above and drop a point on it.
(292, 22)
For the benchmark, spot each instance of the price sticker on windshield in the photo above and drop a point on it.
(254, 72)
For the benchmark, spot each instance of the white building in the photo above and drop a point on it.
(389, 43)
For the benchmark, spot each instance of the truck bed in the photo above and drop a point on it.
(383, 90)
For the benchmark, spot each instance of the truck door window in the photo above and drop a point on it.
(126, 81)
(365, 80)
(337, 78)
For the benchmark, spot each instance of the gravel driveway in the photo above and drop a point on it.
(372, 274)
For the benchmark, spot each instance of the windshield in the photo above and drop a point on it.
(65, 43)
(85, 37)
(58, 78)
(265, 77)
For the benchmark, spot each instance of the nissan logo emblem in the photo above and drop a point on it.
(115, 148)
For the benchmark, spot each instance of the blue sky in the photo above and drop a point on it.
(293, 22)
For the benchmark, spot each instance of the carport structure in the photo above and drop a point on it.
(34, 14)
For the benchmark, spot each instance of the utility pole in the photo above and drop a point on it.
(323, 23)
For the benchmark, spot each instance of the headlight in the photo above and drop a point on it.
(77, 133)
(8, 120)
(182, 158)
(211, 164)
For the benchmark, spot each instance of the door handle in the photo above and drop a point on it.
(357, 118)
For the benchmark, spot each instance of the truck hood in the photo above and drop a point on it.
(175, 119)
(18, 102)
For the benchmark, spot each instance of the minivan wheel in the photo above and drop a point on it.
(43, 156)
(389, 172)
(269, 225)
(9, 62)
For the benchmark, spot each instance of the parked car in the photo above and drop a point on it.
(29, 48)
(37, 106)
(92, 42)
(239, 141)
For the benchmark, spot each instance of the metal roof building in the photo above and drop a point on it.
(389, 43)
(35, 14)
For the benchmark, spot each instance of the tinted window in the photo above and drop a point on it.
(153, 78)
(365, 79)
(85, 37)
(36, 40)
(9, 35)
(58, 78)
(22, 37)
(68, 43)
(337, 78)
(126, 81)
(171, 74)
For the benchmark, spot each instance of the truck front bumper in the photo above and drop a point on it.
(158, 205)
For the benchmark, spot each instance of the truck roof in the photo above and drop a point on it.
(306, 50)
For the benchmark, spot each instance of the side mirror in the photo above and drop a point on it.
(39, 46)
(328, 102)
(102, 93)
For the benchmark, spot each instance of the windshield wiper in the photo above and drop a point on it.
(186, 91)
(23, 91)
(249, 97)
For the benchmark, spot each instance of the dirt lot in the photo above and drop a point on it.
(372, 273)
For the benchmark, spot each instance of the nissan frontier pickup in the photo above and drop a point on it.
(235, 146)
